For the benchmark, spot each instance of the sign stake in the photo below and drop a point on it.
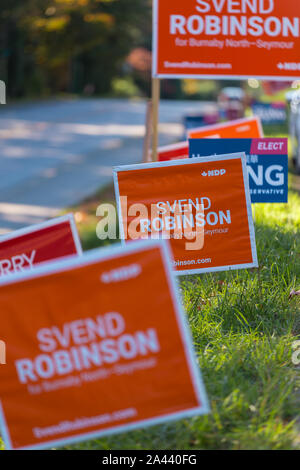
(155, 116)
(148, 132)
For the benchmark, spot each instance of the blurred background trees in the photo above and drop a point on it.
(84, 47)
(71, 46)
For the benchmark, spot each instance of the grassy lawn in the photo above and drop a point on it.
(243, 325)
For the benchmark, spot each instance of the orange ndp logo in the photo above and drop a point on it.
(226, 38)
(89, 355)
(202, 206)
(247, 128)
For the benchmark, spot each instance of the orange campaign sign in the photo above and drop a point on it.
(226, 39)
(246, 128)
(202, 206)
(87, 356)
(28, 247)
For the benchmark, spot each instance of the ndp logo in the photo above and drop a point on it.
(121, 274)
(2, 92)
(214, 172)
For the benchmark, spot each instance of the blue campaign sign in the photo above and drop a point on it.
(267, 162)
(270, 113)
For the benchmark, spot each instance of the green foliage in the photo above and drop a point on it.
(68, 45)
(124, 87)
(200, 89)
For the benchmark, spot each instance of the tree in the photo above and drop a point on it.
(67, 45)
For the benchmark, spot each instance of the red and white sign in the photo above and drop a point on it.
(173, 152)
(246, 128)
(23, 249)
(94, 350)
(226, 39)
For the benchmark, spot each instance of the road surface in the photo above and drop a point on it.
(54, 154)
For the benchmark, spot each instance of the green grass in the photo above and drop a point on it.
(243, 325)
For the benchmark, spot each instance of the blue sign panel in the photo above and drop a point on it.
(267, 162)
(198, 120)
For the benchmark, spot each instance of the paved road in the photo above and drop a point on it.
(54, 154)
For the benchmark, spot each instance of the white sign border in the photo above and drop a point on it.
(92, 257)
(176, 146)
(190, 161)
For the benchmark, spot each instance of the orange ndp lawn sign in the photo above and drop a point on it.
(203, 207)
(246, 128)
(250, 128)
(226, 39)
(86, 355)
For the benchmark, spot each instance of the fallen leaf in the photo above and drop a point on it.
(293, 293)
